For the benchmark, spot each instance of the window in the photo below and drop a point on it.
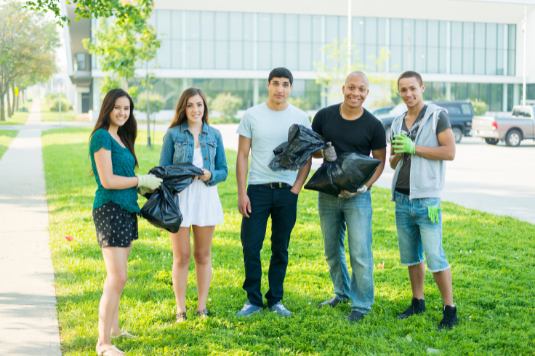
(80, 61)
(456, 47)
(432, 46)
(468, 48)
(466, 110)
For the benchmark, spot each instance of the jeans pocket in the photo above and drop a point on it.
(427, 202)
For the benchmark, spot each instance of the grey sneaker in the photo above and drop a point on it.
(331, 302)
(280, 309)
(249, 309)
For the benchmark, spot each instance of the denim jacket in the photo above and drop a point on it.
(178, 146)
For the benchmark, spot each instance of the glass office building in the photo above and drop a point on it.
(237, 43)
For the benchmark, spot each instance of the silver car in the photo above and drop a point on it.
(519, 126)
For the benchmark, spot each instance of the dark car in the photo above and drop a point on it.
(460, 113)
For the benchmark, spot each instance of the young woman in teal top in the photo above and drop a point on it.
(113, 161)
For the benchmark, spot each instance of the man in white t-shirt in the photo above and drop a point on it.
(269, 193)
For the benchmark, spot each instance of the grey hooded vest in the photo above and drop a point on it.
(427, 175)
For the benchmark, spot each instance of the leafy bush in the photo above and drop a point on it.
(227, 104)
(50, 98)
(65, 106)
(480, 107)
(108, 83)
(300, 103)
(155, 100)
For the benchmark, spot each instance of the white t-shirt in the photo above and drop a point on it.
(267, 129)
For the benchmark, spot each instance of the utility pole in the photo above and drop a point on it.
(349, 36)
(524, 80)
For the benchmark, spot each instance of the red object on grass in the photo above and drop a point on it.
(69, 238)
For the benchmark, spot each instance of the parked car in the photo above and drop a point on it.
(520, 126)
(381, 110)
(459, 112)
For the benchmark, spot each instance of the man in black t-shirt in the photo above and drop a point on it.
(350, 128)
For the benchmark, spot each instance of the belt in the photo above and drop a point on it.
(276, 185)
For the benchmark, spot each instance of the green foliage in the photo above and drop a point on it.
(156, 103)
(65, 106)
(49, 98)
(300, 103)
(28, 43)
(121, 46)
(480, 107)
(126, 11)
(227, 104)
(332, 73)
(108, 83)
(491, 257)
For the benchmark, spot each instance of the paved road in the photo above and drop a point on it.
(28, 318)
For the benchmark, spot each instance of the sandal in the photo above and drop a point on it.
(181, 317)
(110, 351)
(203, 314)
(125, 334)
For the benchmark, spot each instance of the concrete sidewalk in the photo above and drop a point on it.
(28, 317)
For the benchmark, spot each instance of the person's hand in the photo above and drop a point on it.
(403, 144)
(244, 205)
(296, 190)
(206, 176)
(432, 211)
(347, 195)
(329, 153)
(148, 181)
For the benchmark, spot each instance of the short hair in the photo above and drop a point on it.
(411, 74)
(358, 72)
(281, 72)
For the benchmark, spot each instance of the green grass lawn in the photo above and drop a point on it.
(492, 260)
(18, 118)
(6, 137)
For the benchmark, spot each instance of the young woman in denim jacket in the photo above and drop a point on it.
(191, 139)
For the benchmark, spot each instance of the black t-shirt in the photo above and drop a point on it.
(404, 177)
(360, 136)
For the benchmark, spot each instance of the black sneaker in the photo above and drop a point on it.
(449, 319)
(355, 316)
(417, 306)
(331, 302)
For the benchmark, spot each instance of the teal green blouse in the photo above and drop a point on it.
(123, 165)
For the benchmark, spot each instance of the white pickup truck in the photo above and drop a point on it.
(520, 126)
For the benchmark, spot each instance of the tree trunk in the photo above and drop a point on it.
(2, 109)
(9, 113)
(15, 99)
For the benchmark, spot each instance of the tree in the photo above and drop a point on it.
(27, 48)
(120, 48)
(332, 74)
(126, 11)
(227, 104)
(156, 103)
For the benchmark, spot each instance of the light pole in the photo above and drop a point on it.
(524, 64)
(148, 106)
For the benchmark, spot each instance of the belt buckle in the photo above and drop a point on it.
(276, 185)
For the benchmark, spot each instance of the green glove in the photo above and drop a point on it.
(432, 211)
(403, 144)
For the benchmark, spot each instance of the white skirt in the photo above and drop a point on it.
(200, 205)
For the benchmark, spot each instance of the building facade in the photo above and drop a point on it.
(464, 49)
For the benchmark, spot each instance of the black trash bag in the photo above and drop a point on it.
(294, 154)
(349, 172)
(162, 209)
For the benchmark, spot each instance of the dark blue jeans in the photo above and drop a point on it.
(281, 205)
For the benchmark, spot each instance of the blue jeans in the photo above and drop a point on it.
(417, 233)
(355, 215)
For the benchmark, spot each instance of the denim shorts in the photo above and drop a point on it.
(418, 234)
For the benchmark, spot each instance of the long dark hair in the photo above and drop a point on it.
(180, 114)
(127, 132)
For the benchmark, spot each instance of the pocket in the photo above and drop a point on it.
(180, 154)
(427, 202)
(212, 150)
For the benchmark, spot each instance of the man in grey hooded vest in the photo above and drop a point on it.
(422, 140)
